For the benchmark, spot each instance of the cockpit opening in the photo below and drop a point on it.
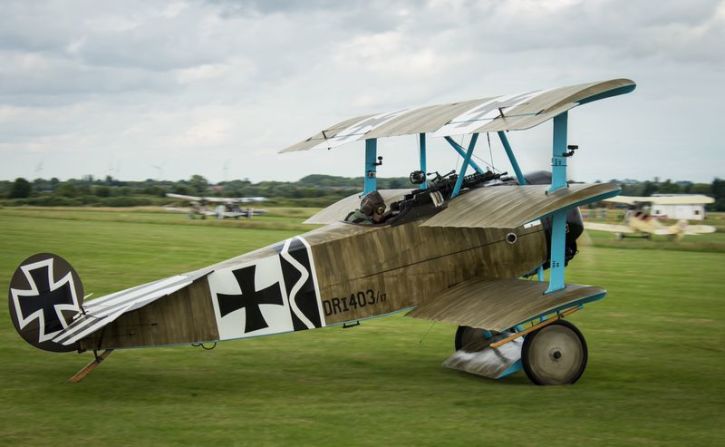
(418, 202)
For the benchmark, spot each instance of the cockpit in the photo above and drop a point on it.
(418, 202)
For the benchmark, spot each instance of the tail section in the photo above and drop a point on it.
(45, 295)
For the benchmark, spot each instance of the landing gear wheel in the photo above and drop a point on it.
(555, 354)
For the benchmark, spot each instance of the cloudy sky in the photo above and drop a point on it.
(142, 89)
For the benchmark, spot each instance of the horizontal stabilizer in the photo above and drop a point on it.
(103, 311)
(501, 304)
(510, 206)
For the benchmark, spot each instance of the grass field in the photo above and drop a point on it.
(655, 374)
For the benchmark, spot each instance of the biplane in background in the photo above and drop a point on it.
(456, 248)
(225, 207)
(640, 221)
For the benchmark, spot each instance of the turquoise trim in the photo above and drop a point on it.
(370, 181)
(558, 160)
(579, 302)
(516, 367)
(464, 167)
(512, 158)
(608, 94)
(423, 168)
(558, 243)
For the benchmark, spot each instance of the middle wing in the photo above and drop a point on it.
(509, 206)
(611, 228)
(502, 304)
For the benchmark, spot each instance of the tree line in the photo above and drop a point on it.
(312, 190)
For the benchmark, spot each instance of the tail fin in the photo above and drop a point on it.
(45, 294)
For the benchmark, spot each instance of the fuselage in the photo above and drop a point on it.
(331, 275)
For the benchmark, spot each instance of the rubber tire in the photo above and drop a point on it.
(525, 351)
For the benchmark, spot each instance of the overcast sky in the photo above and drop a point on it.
(142, 89)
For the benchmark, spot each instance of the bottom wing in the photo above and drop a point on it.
(502, 304)
(699, 229)
(611, 228)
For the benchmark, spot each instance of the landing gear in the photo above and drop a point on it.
(556, 354)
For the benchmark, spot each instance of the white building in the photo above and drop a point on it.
(680, 206)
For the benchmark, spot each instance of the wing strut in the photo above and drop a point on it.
(423, 168)
(558, 225)
(462, 152)
(512, 158)
(464, 167)
(370, 183)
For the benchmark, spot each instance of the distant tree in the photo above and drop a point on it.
(718, 192)
(668, 187)
(180, 189)
(649, 188)
(66, 190)
(199, 184)
(102, 191)
(21, 188)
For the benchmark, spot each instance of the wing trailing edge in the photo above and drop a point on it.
(501, 304)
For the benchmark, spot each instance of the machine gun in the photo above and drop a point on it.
(428, 201)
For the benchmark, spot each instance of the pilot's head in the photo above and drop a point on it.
(373, 204)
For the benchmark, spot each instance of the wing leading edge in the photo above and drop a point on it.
(510, 206)
(509, 112)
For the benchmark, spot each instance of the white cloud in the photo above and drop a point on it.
(87, 85)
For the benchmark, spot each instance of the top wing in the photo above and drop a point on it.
(182, 196)
(678, 199)
(509, 206)
(509, 112)
(217, 199)
(502, 304)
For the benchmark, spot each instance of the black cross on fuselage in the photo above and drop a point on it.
(250, 299)
(46, 300)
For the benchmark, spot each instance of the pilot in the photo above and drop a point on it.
(371, 211)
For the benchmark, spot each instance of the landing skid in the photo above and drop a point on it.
(80, 375)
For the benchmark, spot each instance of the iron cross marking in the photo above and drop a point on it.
(46, 300)
(250, 299)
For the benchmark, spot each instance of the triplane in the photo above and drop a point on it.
(639, 221)
(468, 249)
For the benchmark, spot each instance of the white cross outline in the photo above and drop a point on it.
(16, 294)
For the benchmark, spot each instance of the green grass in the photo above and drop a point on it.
(655, 374)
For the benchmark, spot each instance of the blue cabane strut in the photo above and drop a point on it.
(370, 183)
(423, 185)
(558, 225)
(464, 167)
